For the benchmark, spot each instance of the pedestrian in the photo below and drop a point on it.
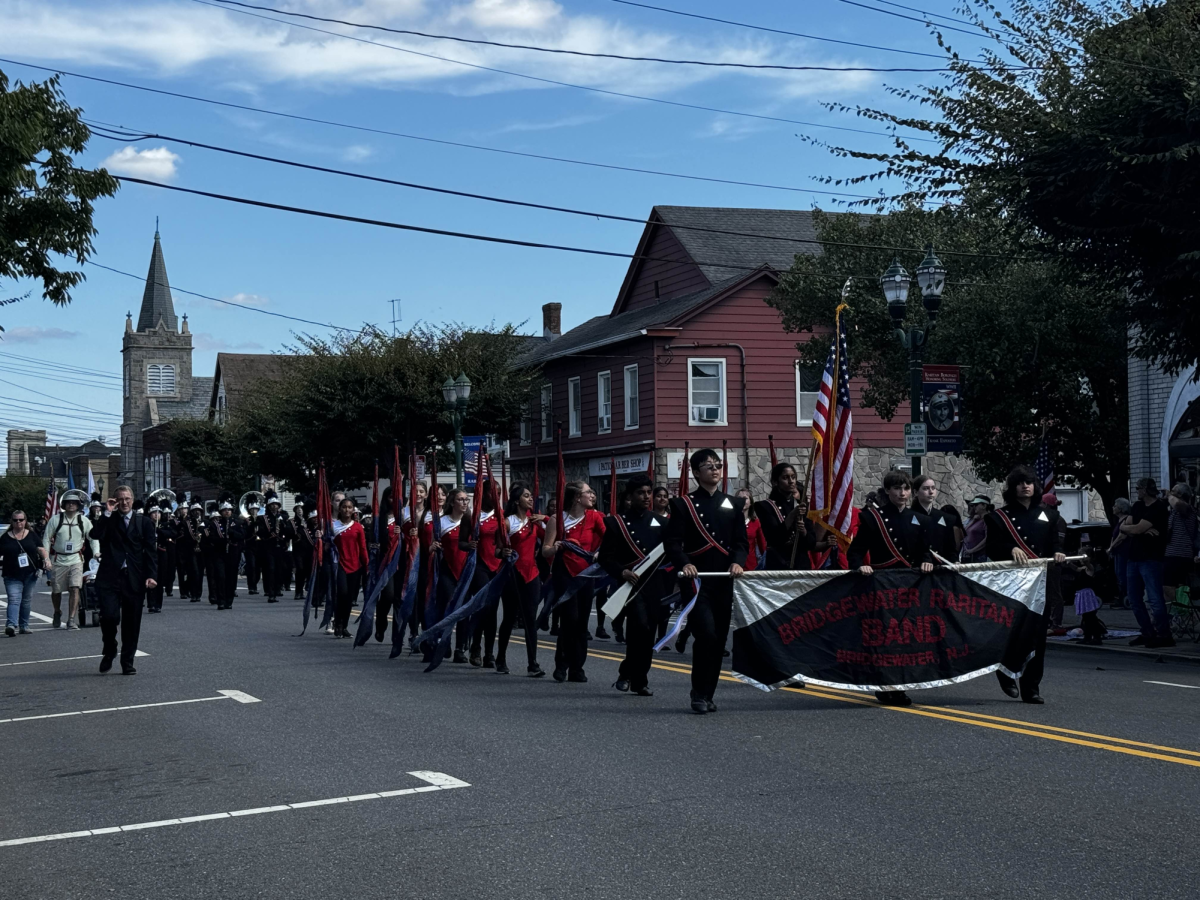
(128, 568)
(707, 533)
(891, 535)
(662, 501)
(524, 593)
(64, 538)
(350, 541)
(1148, 528)
(571, 553)
(487, 564)
(974, 545)
(1022, 530)
(1183, 542)
(1086, 601)
(629, 537)
(783, 519)
(1118, 550)
(941, 527)
(23, 557)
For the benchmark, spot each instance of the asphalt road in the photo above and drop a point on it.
(573, 790)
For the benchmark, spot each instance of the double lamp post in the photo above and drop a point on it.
(931, 280)
(455, 393)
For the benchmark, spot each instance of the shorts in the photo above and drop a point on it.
(65, 576)
(1177, 571)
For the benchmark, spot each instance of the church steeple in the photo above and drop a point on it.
(156, 300)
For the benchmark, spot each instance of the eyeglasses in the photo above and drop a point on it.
(711, 467)
(17, 521)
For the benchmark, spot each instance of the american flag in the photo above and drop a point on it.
(832, 482)
(1044, 465)
(51, 500)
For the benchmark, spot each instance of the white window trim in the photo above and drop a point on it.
(546, 411)
(574, 407)
(625, 398)
(600, 376)
(802, 422)
(724, 420)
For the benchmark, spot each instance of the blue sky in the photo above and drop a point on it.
(346, 273)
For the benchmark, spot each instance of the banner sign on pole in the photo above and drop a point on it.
(470, 451)
(898, 629)
(942, 394)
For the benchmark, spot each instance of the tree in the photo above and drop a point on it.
(45, 199)
(1040, 344)
(25, 492)
(348, 399)
(1090, 147)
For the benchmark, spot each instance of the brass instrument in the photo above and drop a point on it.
(244, 509)
(155, 498)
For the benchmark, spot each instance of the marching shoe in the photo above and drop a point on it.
(619, 633)
(577, 677)
(622, 685)
(1008, 685)
(501, 666)
(644, 692)
(128, 669)
(489, 662)
(560, 675)
(601, 634)
(379, 634)
(535, 671)
(106, 662)
(476, 661)
(459, 656)
(1033, 697)
(272, 599)
(712, 707)
(251, 593)
(699, 705)
(681, 643)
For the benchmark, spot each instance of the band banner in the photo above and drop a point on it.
(897, 629)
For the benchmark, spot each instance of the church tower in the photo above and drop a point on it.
(156, 367)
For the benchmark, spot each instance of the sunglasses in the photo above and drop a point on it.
(18, 521)
(711, 467)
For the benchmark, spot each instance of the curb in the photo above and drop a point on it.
(1152, 655)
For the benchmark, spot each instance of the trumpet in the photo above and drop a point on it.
(244, 509)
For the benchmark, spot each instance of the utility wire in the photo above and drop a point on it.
(888, 12)
(53, 397)
(591, 214)
(440, 141)
(42, 376)
(78, 418)
(932, 15)
(569, 84)
(64, 410)
(536, 48)
(59, 365)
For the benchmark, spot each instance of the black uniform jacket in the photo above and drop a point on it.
(772, 514)
(709, 532)
(1037, 527)
(941, 533)
(275, 530)
(904, 529)
(628, 539)
(187, 528)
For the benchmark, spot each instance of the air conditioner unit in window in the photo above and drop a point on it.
(605, 423)
(706, 413)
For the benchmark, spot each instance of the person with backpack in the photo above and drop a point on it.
(64, 539)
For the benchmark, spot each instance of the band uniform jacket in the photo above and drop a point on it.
(941, 533)
(1038, 528)
(274, 531)
(628, 540)
(772, 514)
(132, 546)
(907, 531)
(714, 539)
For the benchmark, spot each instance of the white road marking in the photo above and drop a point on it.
(30, 662)
(437, 781)
(224, 695)
(32, 614)
(1194, 687)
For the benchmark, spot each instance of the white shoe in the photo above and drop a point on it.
(329, 629)
(72, 625)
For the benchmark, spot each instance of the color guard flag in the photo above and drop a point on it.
(832, 482)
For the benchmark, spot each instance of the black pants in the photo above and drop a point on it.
(303, 571)
(642, 617)
(214, 568)
(484, 634)
(167, 568)
(384, 605)
(601, 599)
(254, 555)
(709, 622)
(348, 586)
(154, 595)
(520, 597)
(283, 568)
(189, 573)
(273, 563)
(231, 574)
(1031, 678)
(121, 604)
(570, 652)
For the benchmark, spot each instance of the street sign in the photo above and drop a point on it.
(914, 438)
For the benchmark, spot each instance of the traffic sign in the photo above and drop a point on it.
(914, 438)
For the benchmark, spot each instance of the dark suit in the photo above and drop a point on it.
(128, 556)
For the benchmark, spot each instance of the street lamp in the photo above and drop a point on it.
(455, 393)
(931, 281)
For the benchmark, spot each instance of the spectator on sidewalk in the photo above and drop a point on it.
(1118, 551)
(1147, 528)
(974, 546)
(1183, 541)
(22, 558)
(66, 534)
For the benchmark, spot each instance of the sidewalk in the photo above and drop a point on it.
(1122, 620)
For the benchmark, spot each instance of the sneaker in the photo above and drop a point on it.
(57, 619)
(10, 630)
(329, 629)
(74, 626)
(476, 661)
(459, 656)
(535, 671)
(601, 634)
(560, 675)
(25, 630)
(489, 662)
(501, 667)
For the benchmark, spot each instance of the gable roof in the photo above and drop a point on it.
(156, 298)
(608, 329)
(240, 371)
(764, 237)
(195, 408)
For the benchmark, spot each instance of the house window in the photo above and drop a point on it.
(604, 402)
(808, 388)
(547, 412)
(706, 391)
(632, 408)
(527, 423)
(574, 407)
(160, 379)
(222, 403)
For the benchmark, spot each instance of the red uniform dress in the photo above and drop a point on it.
(489, 525)
(758, 544)
(586, 533)
(523, 537)
(453, 556)
(351, 548)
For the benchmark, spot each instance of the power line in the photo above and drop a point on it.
(933, 15)
(59, 365)
(53, 397)
(888, 12)
(78, 417)
(56, 433)
(568, 84)
(41, 376)
(440, 141)
(264, 312)
(591, 214)
(536, 48)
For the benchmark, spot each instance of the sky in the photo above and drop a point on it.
(345, 273)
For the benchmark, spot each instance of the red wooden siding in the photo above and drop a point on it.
(674, 278)
(744, 318)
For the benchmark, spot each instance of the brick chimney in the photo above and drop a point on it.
(551, 321)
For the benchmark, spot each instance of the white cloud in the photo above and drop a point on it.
(155, 164)
(524, 14)
(202, 340)
(35, 335)
(248, 299)
(242, 298)
(565, 122)
(357, 153)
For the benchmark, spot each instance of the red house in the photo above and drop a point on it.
(690, 352)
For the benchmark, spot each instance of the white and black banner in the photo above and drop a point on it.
(897, 629)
